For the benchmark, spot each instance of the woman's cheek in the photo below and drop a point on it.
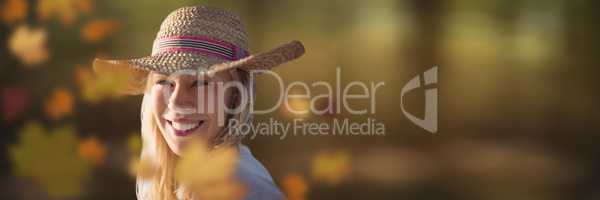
(210, 100)
(158, 99)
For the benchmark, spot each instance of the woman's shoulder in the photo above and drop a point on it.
(256, 177)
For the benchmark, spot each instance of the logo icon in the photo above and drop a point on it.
(430, 120)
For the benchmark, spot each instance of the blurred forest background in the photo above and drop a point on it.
(518, 95)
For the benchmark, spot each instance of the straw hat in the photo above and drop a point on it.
(198, 37)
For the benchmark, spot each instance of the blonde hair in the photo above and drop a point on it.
(162, 185)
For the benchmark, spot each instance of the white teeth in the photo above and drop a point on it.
(183, 126)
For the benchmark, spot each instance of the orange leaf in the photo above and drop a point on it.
(14, 10)
(295, 186)
(65, 10)
(98, 30)
(60, 104)
(92, 150)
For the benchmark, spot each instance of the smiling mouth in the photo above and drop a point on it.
(184, 129)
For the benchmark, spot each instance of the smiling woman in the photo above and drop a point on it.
(176, 105)
(197, 50)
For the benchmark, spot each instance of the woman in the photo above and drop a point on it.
(198, 51)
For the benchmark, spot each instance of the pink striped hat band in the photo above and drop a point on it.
(199, 44)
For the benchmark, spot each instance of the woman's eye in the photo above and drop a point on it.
(199, 83)
(163, 82)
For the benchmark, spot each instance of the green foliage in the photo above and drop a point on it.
(50, 158)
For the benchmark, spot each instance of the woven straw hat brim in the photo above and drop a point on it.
(137, 69)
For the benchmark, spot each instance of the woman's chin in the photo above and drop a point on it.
(178, 146)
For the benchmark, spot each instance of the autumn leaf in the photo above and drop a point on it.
(14, 103)
(92, 150)
(14, 10)
(97, 30)
(29, 45)
(331, 167)
(59, 104)
(139, 168)
(296, 108)
(83, 75)
(85, 6)
(144, 168)
(50, 158)
(210, 174)
(134, 143)
(295, 186)
(94, 89)
(65, 10)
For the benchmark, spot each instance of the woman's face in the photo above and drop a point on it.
(187, 107)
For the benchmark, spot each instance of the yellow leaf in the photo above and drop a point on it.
(296, 108)
(94, 89)
(209, 174)
(29, 45)
(144, 168)
(331, 167)
(135, 144)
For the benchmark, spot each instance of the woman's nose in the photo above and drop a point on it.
(182, 97)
